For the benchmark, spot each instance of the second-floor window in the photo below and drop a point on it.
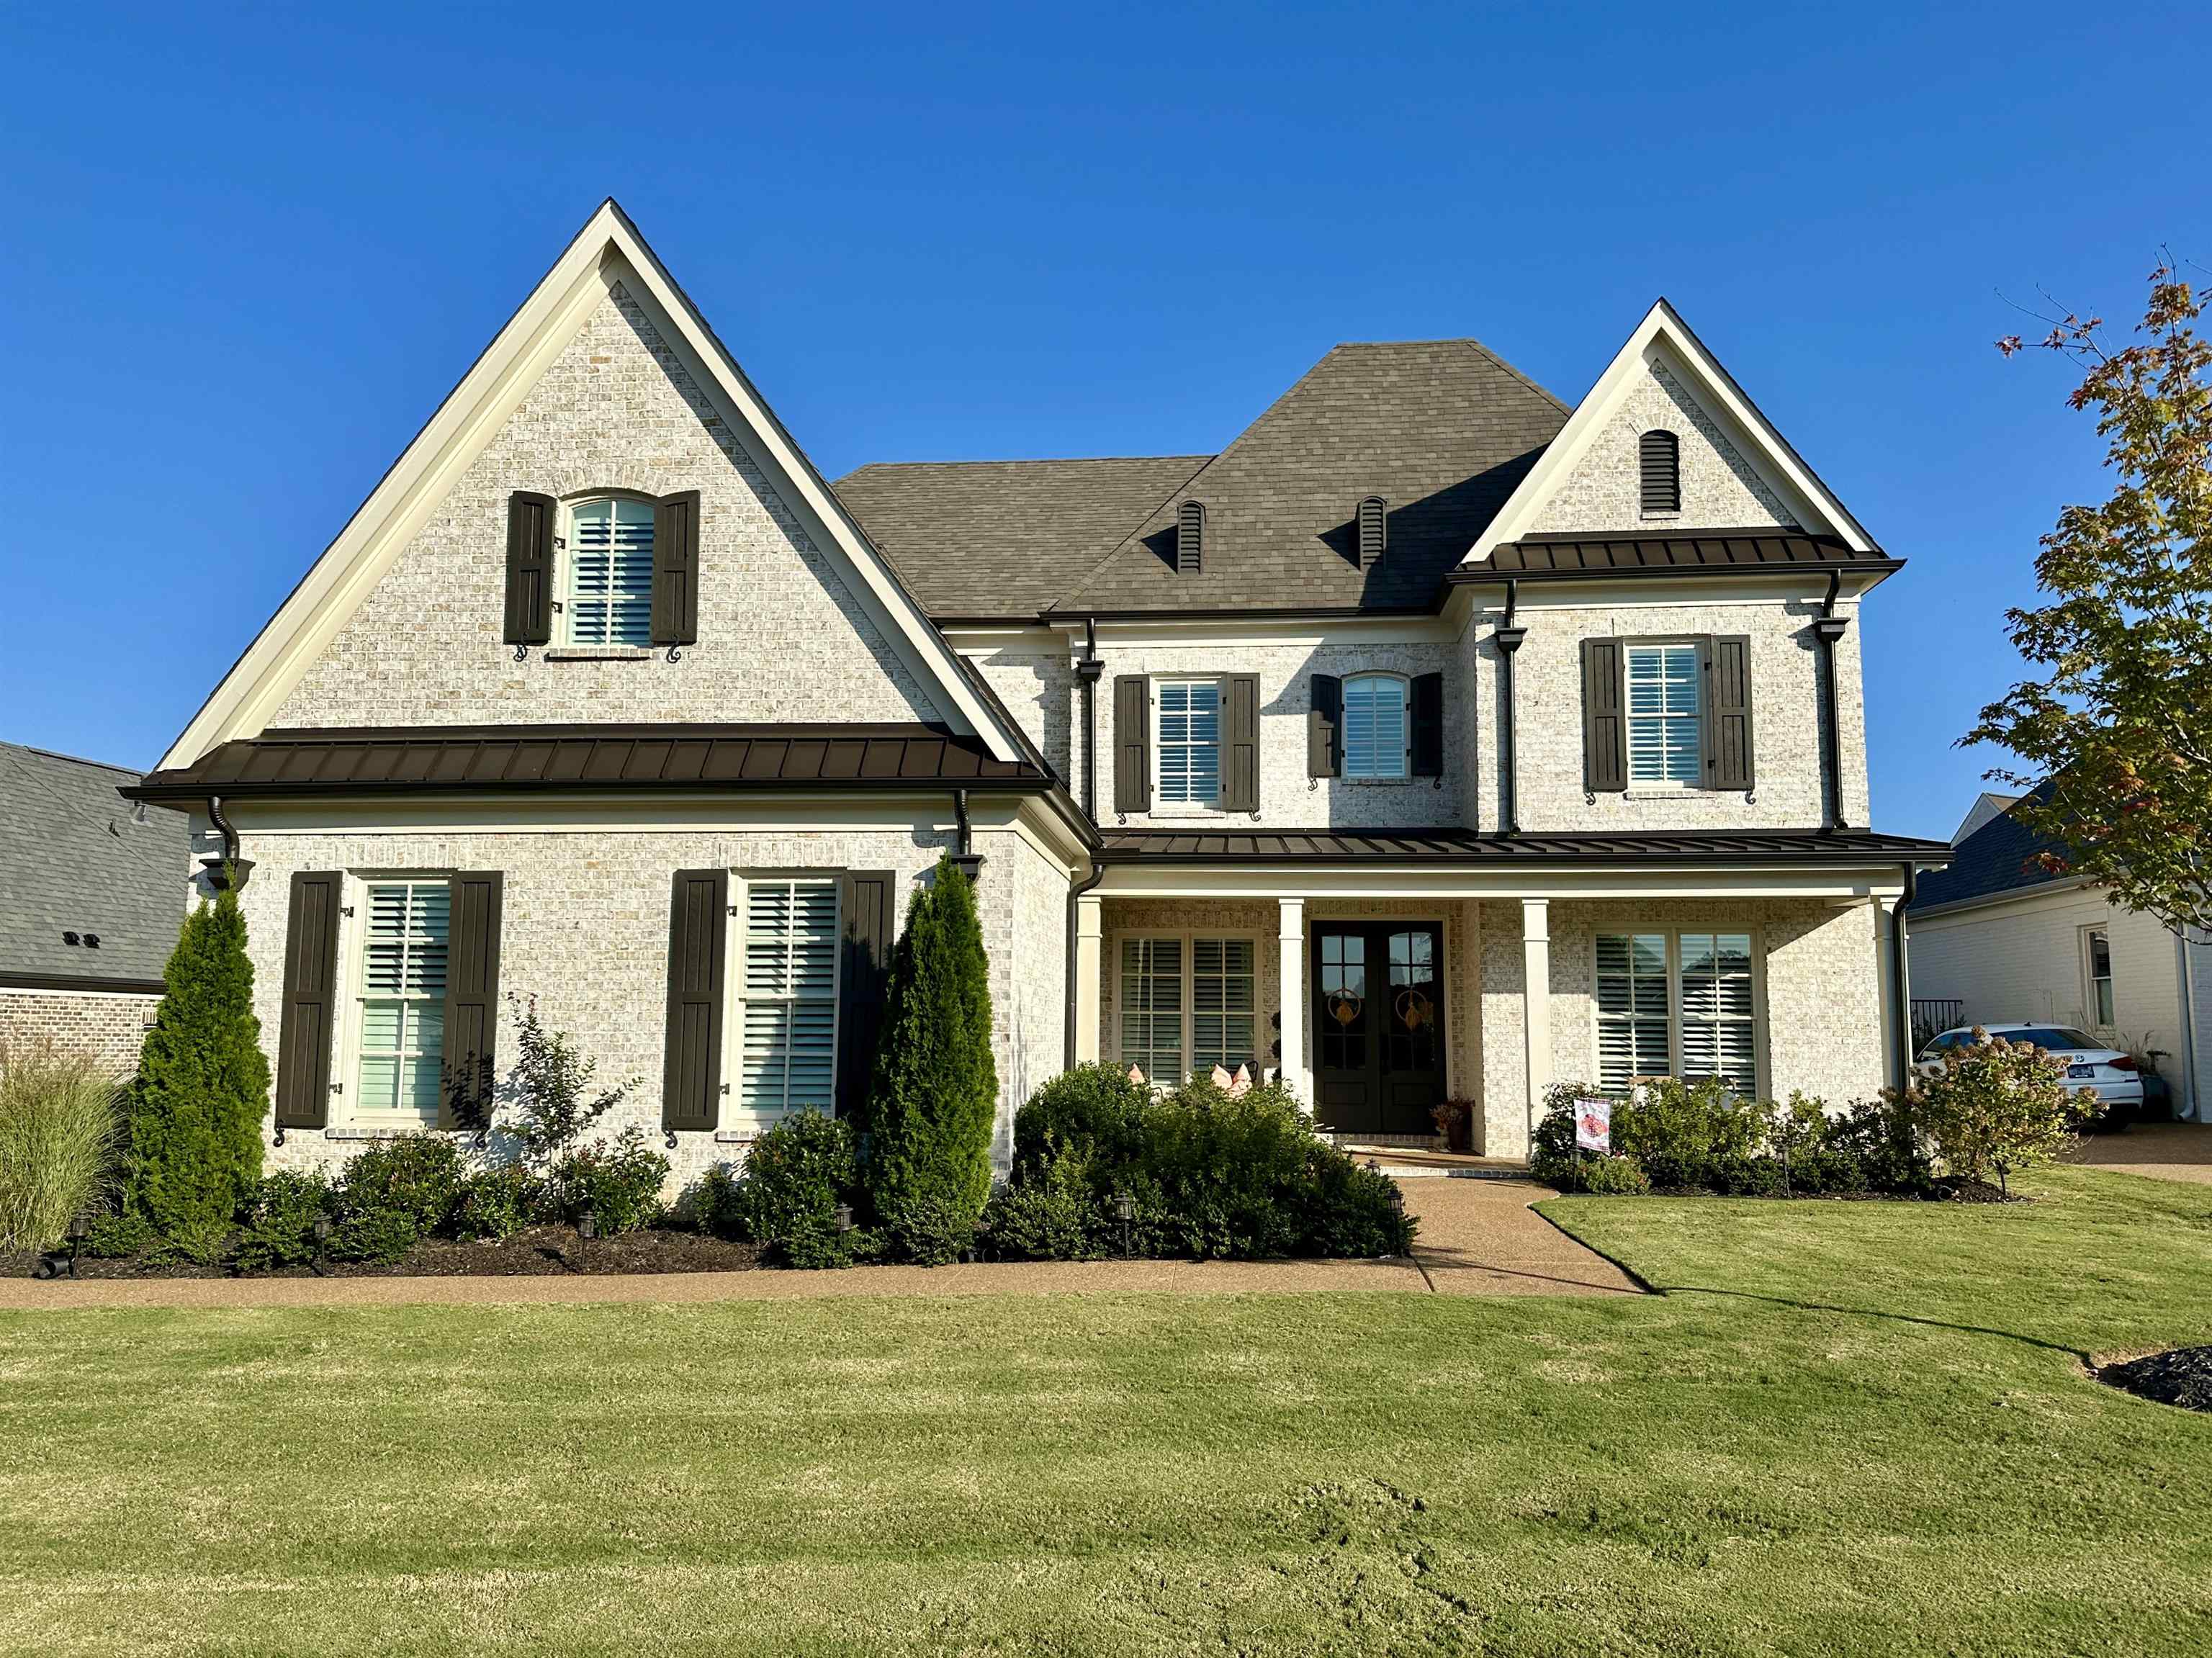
(1375, 733)
(1664, 735)
(1189, 742)
(606, 586)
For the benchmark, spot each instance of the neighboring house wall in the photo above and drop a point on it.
(781, 635)
(1721, 490)
(107, 1024)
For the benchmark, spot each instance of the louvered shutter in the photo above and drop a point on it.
(1725, 664)
(1240, 745)
(1605, 724)
(675, 569)
(867, 905)
(1190, 538)
(1374, 529)
(310, 1016)
(471, 1001)
(1659, 455)
(1132, 729)
(1325, 727)
(1428, 722)
(698, 934)
(529, 568)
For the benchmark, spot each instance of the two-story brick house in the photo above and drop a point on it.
(1434, 738)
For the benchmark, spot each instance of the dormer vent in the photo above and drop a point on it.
(1190, 536)
(1661, 454)
(1374, 531)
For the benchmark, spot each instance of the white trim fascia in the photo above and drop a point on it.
(2015, 898)
(90, 995)
(608, 249)
(1664, 337)
(1224, 634)
(1447, 882)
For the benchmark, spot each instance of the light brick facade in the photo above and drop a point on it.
(110, 1026)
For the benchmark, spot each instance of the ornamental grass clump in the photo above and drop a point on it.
(59, 1127)
(1994, 1106)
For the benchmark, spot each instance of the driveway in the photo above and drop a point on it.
(2162, 1151)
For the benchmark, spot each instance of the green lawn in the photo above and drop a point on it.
(1847, 1427)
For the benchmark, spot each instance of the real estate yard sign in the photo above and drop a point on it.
(1593, 1126)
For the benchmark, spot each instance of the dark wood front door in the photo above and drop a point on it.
(1378, 1017)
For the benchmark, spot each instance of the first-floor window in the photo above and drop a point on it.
(1190, 742)
(1152, 1007)
(1221, 1003)
(2097, 946)
(789, 993)
(403, 999)
(1676, 1004)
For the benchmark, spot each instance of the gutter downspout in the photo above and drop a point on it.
(1509, 643)
(1828, 629)
(2186, 973)
(965, 858)
(1067, 1037)
(1088, 668)
(230, 871)
(1901, 991)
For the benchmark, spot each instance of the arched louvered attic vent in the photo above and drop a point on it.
(1374, 531)
(1662, 456)
(1190, 536)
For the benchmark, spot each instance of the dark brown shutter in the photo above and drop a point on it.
(1190, 538)
(1725, 664)
(1428, 722)
(1325, 727)
(868, 922)
(675, 569)
(529, 568)
(471, 1001)
(698, 927)
(1240, 745)
(311, 974)
(1605, 724)
(1660, 456)
(1133, 743)
(1374, 531)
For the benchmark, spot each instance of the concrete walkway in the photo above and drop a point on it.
(2162, 1151)
(1477, 1237)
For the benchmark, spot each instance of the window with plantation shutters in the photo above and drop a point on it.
(606, 588)
(1666, 735)
(404, 937)
(1631, 1009)
(1659, 454)
(1152, 1007)
(1188, 749)
(1377, 731)
(1677, 1005)
(1222, 1004)
(788, 1020)
(1717, 1038)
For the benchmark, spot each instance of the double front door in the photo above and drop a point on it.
(1378, 1022)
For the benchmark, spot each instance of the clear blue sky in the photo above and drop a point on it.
(250, 250)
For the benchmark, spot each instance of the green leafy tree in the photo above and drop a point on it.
(202, 1091)
(935, 1092)
(1996, 1106)
(2115, 736)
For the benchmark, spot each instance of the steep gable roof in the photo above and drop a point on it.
(86, 865)
(1999, 857)
(606, 251)
(1442, 429)
(1005, 538)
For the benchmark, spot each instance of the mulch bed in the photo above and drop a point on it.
(2183, 1377)
(540, 1251)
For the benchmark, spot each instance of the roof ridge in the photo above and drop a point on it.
(1019, 460)
(71, 759)
(1490, 356)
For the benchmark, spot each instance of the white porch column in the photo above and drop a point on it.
(1290, 994)
(1089, 919)
(1537, 1002)
(1885, 955)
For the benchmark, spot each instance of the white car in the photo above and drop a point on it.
(2091, 1067)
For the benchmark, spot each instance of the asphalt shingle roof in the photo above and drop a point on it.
(1998, 857)
(79, 861)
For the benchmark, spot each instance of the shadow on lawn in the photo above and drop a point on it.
(1871, 1312)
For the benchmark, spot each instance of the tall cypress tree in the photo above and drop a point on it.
(935, 1092)
(202, 1086)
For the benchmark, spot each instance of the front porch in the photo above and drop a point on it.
(1377, 986)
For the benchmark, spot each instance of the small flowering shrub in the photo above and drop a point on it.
(1995, 1106)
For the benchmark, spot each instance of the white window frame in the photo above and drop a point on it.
(1210, 807)
(564, 575)
(344, 1118)
(1760, 1074)
(734, 1119)
(2091, 1014)
(1188, 976)
(1405, 684)
(1631, 719)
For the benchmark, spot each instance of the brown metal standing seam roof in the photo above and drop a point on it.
(1463, 845)
(1702, 551)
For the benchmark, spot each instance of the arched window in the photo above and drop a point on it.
(1373, 532)
(1661, 454)
(1377, 731)
(1190, 536)
(606, 572)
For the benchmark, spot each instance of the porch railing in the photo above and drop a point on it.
(1932, 1016)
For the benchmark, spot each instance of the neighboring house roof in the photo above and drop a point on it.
(1006, 538)
(81, 862)
(1702, 551)
(1462, 846)
(1999, 857)
(573, 758)
(1985, 806)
